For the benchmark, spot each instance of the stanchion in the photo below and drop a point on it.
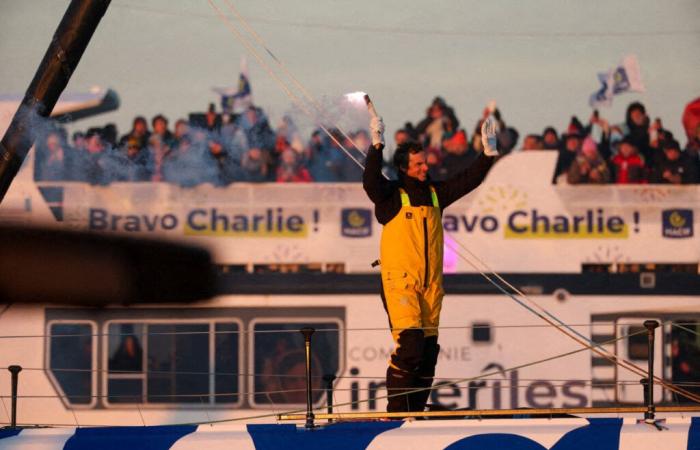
(307, 332)
(645, 387)
(329, 378)
(651, 326)
(14, 370)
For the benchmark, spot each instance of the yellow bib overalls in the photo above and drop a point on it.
(411, 261)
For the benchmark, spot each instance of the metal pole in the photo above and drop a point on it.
(645, 387)
(329, 378)
(307, 332)
(650, 325)
(14, 370)
(60, 60)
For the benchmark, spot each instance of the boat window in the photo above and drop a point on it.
(481, 332)
(685, 356)
(637, 343)
(125, 374)
(227, 369)
(173, 363)
(280, 362)
(71, 360)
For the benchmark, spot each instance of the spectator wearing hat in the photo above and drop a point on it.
(676, 167)
(131, 163)
(588, 167)
(627, 165)
(456, 156)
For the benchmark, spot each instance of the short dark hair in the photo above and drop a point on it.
(403, 152)
(671, 144)
(157, 118)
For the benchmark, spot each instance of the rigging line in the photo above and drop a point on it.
(478, 377)
(482, 376)
(261, 42)
(310, 98)
(593, 346)
(581, 340)
(677, 325)
(446, 382)
(280, 330)
(613, 358)
(427, 31)
(281, 82)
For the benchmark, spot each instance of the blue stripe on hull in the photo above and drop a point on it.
(127, 438)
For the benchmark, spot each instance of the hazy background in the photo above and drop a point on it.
(537, 58)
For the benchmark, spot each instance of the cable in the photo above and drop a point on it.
(578, 337)
(422, 32)
(295, 99)
(280, 330)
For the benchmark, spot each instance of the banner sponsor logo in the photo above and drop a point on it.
(677, 223)
(356, 222)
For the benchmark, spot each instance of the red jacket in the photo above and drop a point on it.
(628, 170)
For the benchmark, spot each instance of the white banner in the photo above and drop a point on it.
(517, 221)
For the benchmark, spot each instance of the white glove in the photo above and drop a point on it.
(376, 131)
(489, 127)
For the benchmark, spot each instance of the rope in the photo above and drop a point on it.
(295, 99)
(544, 314)
(317, 330)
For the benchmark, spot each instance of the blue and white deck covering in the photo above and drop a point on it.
(496, 434)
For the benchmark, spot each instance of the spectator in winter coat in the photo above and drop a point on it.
(139, 131)
(627, 164)
(692, 149)
(290, 169)
(588, 167)
(51, 158)
(637, 123)
(567, 154)
(676, 168)
(456, 156)
(255, 165)
(227, 169)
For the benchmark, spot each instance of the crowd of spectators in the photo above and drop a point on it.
(221, 149)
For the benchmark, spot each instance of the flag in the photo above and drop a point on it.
(238, 99)
(626, 77)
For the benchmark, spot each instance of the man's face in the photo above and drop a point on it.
(160, 126)
(417, 166)
(626, 149)
(399, 137)
(637, 116)
(672, 154)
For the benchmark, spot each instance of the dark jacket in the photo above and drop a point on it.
(682, 167)
(386, 196)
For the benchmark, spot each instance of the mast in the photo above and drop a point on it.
(60, 60)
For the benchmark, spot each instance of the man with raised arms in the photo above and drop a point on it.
(410, 210)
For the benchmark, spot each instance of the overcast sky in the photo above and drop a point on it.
(537, 58)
